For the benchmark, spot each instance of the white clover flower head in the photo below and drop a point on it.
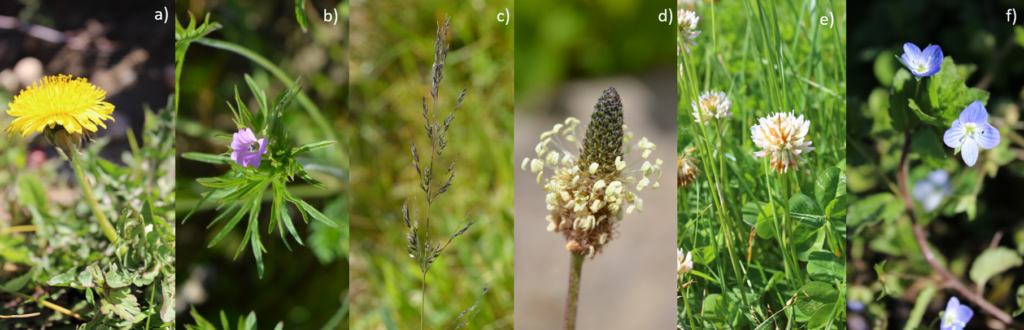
(972, 131)
(931, 190)
(922, 64)
(686, 171)
(593, 175)
(782, 136)
(687, 28)
(711, 105)
(683, 262)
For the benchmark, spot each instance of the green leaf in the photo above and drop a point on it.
(948, 95)
(920, 306)
(968, 204)
(821, 317)
(19, 282)
(97, 275)
(836, 208)
(246, 114)
(257, 92)
(206, 158)
(250, 322)
(63, 279)
(167, 309)
(313, 213)
(765, 220)
(826, 267)
(122, 303)
(312, 146)
(814, 296)
(750, 212)
(300, 14)
(257, 248)
(231, 224)
(1020, 35)
(31, 192)
(808, 240)
(924, 117)
(903, 88)
(1020, 298)
(806, 211)
(993, 262)
(826, 188)
(218, 182)
(305, 176)
(117, 278)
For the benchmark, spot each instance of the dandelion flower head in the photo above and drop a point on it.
(593, 182)
(972, 131)
(74, 104)
(710, 105)
(782, 136)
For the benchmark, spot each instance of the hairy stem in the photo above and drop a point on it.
(108, 229)
(922, 243)
(574, 290)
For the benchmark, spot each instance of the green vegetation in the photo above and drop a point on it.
(766, 237)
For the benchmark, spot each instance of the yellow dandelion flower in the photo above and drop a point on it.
(74, 104)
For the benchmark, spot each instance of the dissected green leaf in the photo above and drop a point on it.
(63, 279)
(122, 303)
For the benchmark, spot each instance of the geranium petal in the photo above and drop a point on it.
(249, 136)
(987, 136)
(954, 135)
(969, 152)
(974, 113)
(236, 142)
(263, 146)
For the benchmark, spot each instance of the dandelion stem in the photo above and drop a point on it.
(574, 290)
(108, 229)
(922, 243)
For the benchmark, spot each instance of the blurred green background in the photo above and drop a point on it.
(987, 51)
(391, 58)
(567, 54)
(306, 286)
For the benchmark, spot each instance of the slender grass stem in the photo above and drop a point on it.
(576, 263)
(108, 229)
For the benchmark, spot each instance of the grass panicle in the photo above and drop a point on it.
(423, 250)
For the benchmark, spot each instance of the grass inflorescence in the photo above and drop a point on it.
(422, 249)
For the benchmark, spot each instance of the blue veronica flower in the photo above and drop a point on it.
(956, 316)
(922, 64)
(972, 131)
(931, 190)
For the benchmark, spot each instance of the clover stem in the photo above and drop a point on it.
(574, 290)
(108, 229)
